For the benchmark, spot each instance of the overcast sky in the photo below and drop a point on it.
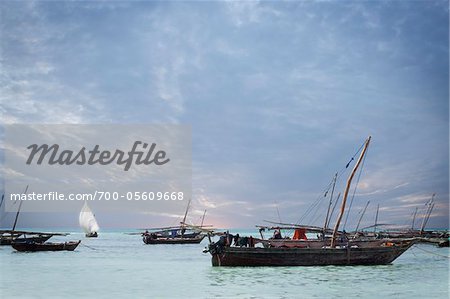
(280, 95)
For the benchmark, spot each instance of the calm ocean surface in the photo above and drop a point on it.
(117, 265)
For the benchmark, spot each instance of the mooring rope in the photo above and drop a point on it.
(434, 253)
(88, 246)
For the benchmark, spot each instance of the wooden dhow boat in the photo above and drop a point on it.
(335, 253)
(47, 246)
(9, 236)
(339, 256)
(299, 239)
(183, 234)
(190, 239)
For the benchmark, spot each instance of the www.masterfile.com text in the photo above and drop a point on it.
(97, 195)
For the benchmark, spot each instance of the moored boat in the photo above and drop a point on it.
(183, 234)
(335, 250)
(7, 239)
(9, 236)
(149, 239)
(251, 257)
(47, 246)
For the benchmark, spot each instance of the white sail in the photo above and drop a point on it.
(87, 220)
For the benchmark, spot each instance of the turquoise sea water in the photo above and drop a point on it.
(117, 265)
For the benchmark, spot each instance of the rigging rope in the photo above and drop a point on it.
(431, 252)
(316, 203)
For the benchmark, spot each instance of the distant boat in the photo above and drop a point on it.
(193, 238)
(33, 246)
(183, 234)
(88, 222)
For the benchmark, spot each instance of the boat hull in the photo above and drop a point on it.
(317, 244)
(194, 240)
(8, 240)
(254, 257)
(91, 235)
(32, 246)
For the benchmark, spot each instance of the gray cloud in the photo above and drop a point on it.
(279, 95)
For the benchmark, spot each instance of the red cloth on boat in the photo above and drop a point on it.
(299, 234)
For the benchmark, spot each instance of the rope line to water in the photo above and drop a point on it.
(88, 246)
(431, 252)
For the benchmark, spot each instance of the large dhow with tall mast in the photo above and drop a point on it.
(334, 251)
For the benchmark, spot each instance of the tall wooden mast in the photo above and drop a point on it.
(376, 220)
(203, 218)
(18, 210)
(347, 189)
(184, 218)
(360, 218)
(325, 226)
(414, 219)
(427, 216)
